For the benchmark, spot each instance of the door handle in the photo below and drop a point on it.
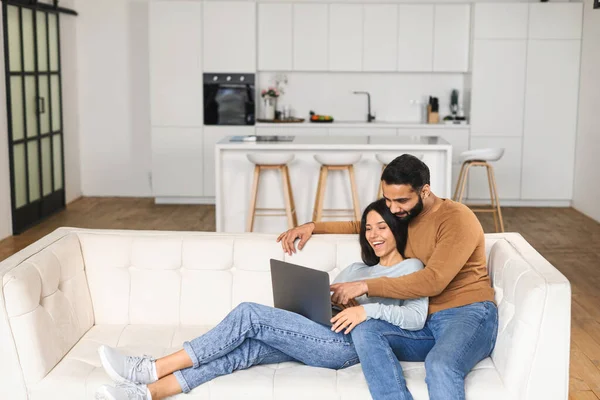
(41, 105)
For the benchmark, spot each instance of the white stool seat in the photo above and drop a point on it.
(386, 158)
(270, 158)
(488, 154)
(338, 158)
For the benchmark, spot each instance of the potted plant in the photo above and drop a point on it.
(269, 96)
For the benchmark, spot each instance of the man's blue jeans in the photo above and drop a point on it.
(253, 334)
(451, 343)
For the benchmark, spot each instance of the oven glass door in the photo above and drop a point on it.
(228, 104)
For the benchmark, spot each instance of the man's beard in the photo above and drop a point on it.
(413, 212)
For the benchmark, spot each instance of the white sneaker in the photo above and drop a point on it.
(125, 391)
(127, 369)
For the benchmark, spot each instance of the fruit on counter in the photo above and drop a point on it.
(320, 118)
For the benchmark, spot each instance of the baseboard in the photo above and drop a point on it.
(184, 200)
(522, 203)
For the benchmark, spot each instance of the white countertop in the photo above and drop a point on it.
(314, 142)
(361, 124)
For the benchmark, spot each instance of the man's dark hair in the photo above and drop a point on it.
(406, 170)
(398, 228)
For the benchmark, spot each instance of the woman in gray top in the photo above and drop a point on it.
(253, 334)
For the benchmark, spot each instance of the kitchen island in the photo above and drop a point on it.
(234, 173)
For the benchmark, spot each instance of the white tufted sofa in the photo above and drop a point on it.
(147, 292)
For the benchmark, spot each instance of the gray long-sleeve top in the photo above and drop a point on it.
(407, 314)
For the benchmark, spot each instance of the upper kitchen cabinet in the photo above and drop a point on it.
(452, 27)
(229, 36)
(415, 37)
(380, 35)
(311, 23)
(275, 36)
(175, 63)
(500, 21)
(345, 37)
(498, 87)
(555, 20)
(550, 119)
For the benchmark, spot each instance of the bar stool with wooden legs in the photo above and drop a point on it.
(481, 158)
(385, 159)
(276, 161)
(336, 162)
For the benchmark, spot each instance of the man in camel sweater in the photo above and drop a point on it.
(463, 319)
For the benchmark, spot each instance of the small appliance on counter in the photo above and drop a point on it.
(457, 113)
(228, 99)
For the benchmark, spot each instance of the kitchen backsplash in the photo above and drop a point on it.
(394, 96)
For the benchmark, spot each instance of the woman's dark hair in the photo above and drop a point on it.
(406, 170)
(398, 228)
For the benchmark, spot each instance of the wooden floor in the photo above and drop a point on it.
(565, 237)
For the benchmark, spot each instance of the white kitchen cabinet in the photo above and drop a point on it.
(177, 167)
(345, 37)
(362, 131)
(458, 138)
(274, 36)
(550, 119)
(500, 20)
(311, 25)
(507, 170)
(498, 87)
(555, 20)
(415, 37)
(380, 37)
(229, 36)
(212, 135)
(452, 27)
(175, 63)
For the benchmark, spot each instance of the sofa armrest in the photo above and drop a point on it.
(45, 306)
(534, 306)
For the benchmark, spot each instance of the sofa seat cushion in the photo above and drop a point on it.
(79, 373)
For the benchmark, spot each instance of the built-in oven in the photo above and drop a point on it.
(228, 99)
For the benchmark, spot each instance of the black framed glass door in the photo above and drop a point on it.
(34, 108)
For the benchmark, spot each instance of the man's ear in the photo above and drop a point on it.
(426, 191)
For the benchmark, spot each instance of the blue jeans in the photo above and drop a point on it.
(451, 343)
(253, 334)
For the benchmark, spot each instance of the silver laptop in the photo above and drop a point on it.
(302, 290)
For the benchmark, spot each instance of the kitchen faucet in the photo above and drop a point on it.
(370, 118)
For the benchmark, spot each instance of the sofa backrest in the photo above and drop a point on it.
(55, 290)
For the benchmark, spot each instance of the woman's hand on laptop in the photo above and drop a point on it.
(351, 303)
(348, 319)
(302, 232)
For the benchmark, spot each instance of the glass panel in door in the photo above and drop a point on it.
(56, 109)
(43, 108)
(28, 40)
(42, 43)
(19, 175)
(31, 106)
(16, 107)
(47, 166)
(33, 170)
(14, 38)
(58, 156)
(53, 41)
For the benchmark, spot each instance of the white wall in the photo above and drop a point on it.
(330, 93)
(113, 92)
(70, 103)
(5, 204)
(587, 167)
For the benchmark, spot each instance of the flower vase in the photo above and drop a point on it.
(269, 107)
